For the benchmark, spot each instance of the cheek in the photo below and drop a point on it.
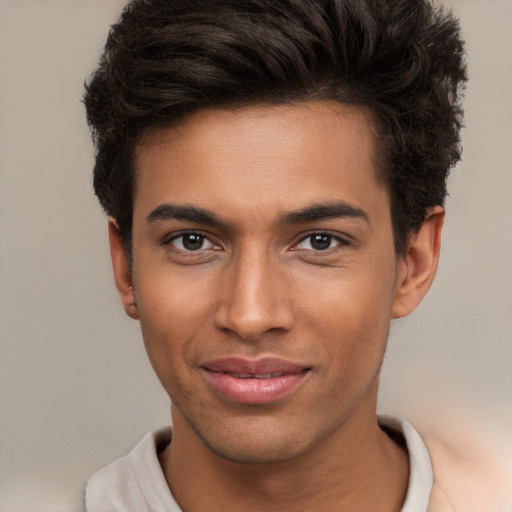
(172, 302)
(351, 311)
(172, 313)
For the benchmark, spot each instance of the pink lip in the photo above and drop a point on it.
(258, 381)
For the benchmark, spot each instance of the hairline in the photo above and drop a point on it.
(374, 126)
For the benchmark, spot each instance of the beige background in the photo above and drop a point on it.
(76, 390)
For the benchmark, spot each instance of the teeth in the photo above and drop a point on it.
(257, 376)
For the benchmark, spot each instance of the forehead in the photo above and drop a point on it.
(267, 157)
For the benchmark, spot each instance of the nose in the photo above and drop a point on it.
(254, 297)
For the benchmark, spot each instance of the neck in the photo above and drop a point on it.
(358, 468)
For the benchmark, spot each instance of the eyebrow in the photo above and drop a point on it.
(311, 213)
(324, 211)
(167, 211)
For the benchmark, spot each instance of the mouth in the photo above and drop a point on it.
(254, 381)
(254, 376)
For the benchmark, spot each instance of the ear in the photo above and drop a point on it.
(416, 270)
(122, 272)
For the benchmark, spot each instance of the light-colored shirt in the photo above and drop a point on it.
(136, 482)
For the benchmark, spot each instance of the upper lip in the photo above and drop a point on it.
(264, 365)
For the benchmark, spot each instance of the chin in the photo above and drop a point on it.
(254, 454)
(251, 443)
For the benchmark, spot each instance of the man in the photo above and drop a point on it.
(275, 174)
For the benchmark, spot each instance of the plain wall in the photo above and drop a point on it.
(76, 389)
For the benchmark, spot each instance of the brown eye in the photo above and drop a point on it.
(319, 242)
(192, 242)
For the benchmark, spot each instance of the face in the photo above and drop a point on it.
(264, 274)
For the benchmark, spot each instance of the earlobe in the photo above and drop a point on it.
(417, 269)
(122, 271)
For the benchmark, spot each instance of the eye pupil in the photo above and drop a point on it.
(320, 242)
(193, 242)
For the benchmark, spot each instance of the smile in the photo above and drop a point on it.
(254, 382)
(257, 376)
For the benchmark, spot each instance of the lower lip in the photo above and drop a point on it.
(254, 391)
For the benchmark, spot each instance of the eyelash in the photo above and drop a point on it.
(204, 238)
(340, 242)
(199, 235)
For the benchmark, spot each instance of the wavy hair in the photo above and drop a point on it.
(402, 59)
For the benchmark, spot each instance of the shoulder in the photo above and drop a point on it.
(455, 466)
(132, 482)
(470, 475)
(110, 488)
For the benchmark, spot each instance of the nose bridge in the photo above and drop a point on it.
(253, 299)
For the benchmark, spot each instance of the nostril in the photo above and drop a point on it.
(251, 326)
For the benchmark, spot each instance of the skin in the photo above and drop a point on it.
(257, 287)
